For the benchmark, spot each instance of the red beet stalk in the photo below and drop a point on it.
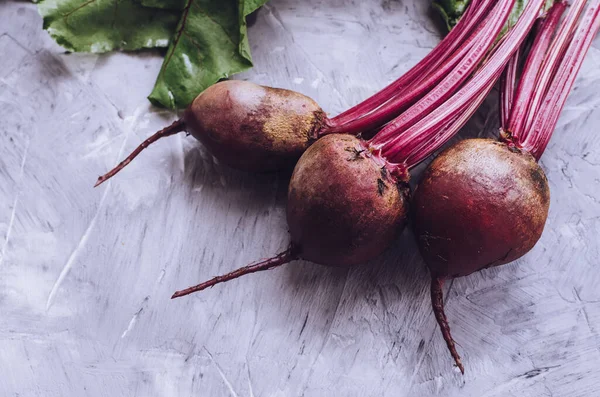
(484, 39)
(508, 83)
(428, 134)
(536, 58)
(472, 17)
(544, 121)
(538, 87)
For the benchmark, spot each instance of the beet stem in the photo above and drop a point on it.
(173, 129)
(424, 135)
(437, 302)
(507, 88)
(451, 128)
(443, 53)
(549, 67)
(481, 41)
(280, 259)
(520, 109)
(411, 94)
(563, 80)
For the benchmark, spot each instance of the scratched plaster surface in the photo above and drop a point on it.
(86, 274)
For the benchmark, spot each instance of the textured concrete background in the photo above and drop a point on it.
(86, 274)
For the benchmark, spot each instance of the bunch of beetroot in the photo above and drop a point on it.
(347, 197)
(480, 203)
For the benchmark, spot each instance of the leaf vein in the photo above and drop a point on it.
(201, 11)
(68, 14)
(114, 21)
(178, 34)
(194, 42)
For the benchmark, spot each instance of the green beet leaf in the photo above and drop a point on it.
(210, 43)
(450, 10)
(106, 25)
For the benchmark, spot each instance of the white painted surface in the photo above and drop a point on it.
(86, 274)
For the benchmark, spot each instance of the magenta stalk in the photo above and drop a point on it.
(472, 17)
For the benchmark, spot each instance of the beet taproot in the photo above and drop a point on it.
(245, 126)
(344, 207)
(480, 203)
(264, 129)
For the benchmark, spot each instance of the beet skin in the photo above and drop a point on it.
(344, 208)
(480, 203)
(251, 127)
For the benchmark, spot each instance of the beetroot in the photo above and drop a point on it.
(246, 126)
(265, 128)
(460, 230)
(484, 203)
(343, 215)
(349, 211)
(347, 196)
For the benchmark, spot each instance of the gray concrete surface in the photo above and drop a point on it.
(86, 274)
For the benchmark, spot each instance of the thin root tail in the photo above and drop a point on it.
(280, 259)
(437, 302)
(173, 129)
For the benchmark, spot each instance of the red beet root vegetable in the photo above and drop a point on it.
(347, 197)
(255, 128)
(482, 202)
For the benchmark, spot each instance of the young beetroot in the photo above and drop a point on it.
(345, 214)
(353, 194)
(347, 196)
(246, 126)
(484, 203)
(255, 128)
